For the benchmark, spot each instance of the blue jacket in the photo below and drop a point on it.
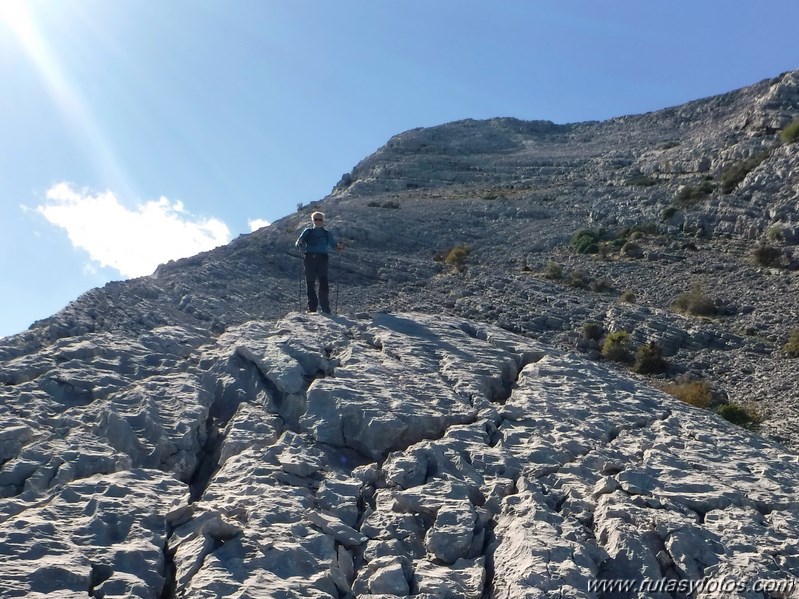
(317, 240)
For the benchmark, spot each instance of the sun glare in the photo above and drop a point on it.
(20, 18)
(15, 16)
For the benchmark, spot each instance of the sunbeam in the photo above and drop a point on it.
(19, 17)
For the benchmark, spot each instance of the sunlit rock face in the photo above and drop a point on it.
(381, 454)
(454, 430)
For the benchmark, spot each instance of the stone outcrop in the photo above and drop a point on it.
(682, 197)
(455, 431)
(377, 455)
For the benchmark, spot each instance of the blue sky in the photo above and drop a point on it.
(136, 131)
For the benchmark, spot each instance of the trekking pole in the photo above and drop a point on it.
(302, 275)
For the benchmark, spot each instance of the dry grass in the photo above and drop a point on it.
(696, 393)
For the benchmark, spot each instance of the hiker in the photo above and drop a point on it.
(317, 241)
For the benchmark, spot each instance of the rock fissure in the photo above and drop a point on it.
(169, 588)
(427, 467)
(329, 468)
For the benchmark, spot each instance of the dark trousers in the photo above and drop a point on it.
(316, 269)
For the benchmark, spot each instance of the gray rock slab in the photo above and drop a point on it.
(385, 455)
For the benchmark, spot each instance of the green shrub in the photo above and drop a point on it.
(586, 241)
(649, 360)
(668, 212)
(688, 196)
(696, 393)
(775, 233)
(627, 296)
(742, 415)
(601, 285)
(553, 271)
(792, 347)
(733, 175)
(619, 242)
(632, 250)
(791, 132)
(457, 256)
(592, 331)
(641, 181)
(696, 303)
(769, 256)
(577, 279)
(647, 228)
(616, 346)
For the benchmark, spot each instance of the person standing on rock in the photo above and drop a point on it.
(316, 242)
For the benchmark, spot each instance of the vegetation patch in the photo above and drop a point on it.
(616, 346)
(577, 279)
(457, 256)
(668, 212)
(601, 285)
(391, 204)
(792, 347)
(632, 250)
(696, 303)
(775, 233)
(587, 241)
(689, 196)
(732, 176)
(592, 331)
(746, 416)
(649, 359)
(791, 132)
(696, 393)
(768, 256)
(632, 234)
(641, 181)
(553, 271)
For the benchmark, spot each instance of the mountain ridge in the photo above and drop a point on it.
(457, 429)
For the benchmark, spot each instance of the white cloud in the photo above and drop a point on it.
(257, 223)
(134, 242)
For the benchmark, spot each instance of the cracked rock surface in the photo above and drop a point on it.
(700, 197)
(385, 454)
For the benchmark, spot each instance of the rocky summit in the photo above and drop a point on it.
(497, 408)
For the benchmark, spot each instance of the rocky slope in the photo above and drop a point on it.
(194, 436)
(385, 455)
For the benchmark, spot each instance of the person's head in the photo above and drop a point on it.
(318, 219)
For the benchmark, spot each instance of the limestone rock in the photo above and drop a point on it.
(513, 469)
(457, 433)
